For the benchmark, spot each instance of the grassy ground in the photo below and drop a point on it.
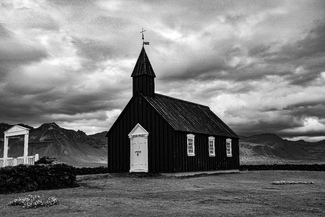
(242, 194)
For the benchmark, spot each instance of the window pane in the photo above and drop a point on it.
(190, 145)
(211, 147)
(228, 148)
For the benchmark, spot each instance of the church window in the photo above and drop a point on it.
(190, 145)
(229, 147)
(212, 148)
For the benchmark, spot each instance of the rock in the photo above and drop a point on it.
(46, 160)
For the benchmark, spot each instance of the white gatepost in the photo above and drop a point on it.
(26, 148)
(15, 131)
(5, 150)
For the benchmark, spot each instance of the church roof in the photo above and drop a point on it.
(143, 66)
(189, 117)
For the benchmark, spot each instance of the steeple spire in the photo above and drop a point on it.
(143, 65)
(143, 75)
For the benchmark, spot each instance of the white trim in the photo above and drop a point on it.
(138, 130)
(212, 139)
(15, 131)
(189, 143)
(229, 147)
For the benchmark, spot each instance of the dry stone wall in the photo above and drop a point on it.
(303, 167)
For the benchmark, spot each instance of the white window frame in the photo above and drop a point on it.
(229, 147)
(189, 143)
(211, 146)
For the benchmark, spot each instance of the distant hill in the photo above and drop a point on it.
(100, 137)
(78, 149)
(69, 146)
(270, 148)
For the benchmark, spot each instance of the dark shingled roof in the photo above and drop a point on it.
(189, 117)
(143, 66)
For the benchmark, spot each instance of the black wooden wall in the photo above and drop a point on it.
(160, 139)
(145, 84)
(202, 161)
(167, 149)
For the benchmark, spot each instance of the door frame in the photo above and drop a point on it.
(139, 131)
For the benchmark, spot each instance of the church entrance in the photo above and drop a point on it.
(138, 149)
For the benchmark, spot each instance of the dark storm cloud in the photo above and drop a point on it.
(13, 52)
(283, 121)
(262, 127)
(4, 32)
(76, 103)
(95, 50)
(71, 2)
(17, 109)
(198, 70)
(58, 105)
(310, 46)
(308, 109)
(111, 23)
(307, 53)
(269, 59)
(309, 133)
(42, 21)
(70, 61)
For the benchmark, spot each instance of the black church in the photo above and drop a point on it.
(161, 134)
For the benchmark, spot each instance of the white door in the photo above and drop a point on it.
(138, 149)
(139, 152)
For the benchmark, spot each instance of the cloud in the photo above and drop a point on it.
(95, 50)
(258, 65)
(15, 52)
(311, 127)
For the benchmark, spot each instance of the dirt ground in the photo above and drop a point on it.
(242, 194)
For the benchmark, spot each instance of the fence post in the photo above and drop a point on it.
(36, 157)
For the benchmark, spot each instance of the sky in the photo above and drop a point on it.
(258, 65)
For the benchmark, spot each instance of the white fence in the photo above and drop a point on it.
(19, 160)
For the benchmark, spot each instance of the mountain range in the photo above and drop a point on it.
(69, 146)
(270, 148)
(81, 150)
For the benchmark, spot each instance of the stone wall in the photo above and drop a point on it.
(303, 167)
(23, 178)
(91, 170)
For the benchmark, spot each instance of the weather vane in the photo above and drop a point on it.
(143, 42)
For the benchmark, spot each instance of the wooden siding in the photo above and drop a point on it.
(202, 161)
(145, 84)
(167, 148)
(160, 144)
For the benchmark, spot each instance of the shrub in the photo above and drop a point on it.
(23, 178)
(34, 201)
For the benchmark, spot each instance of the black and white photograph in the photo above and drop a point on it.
(162, 108)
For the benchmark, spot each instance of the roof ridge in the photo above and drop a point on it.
(187, 116)
(182, 100)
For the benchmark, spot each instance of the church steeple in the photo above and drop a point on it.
(143, 75)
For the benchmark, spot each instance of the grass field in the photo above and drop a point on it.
(241, 194)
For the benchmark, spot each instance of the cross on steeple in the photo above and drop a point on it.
(143, 42)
